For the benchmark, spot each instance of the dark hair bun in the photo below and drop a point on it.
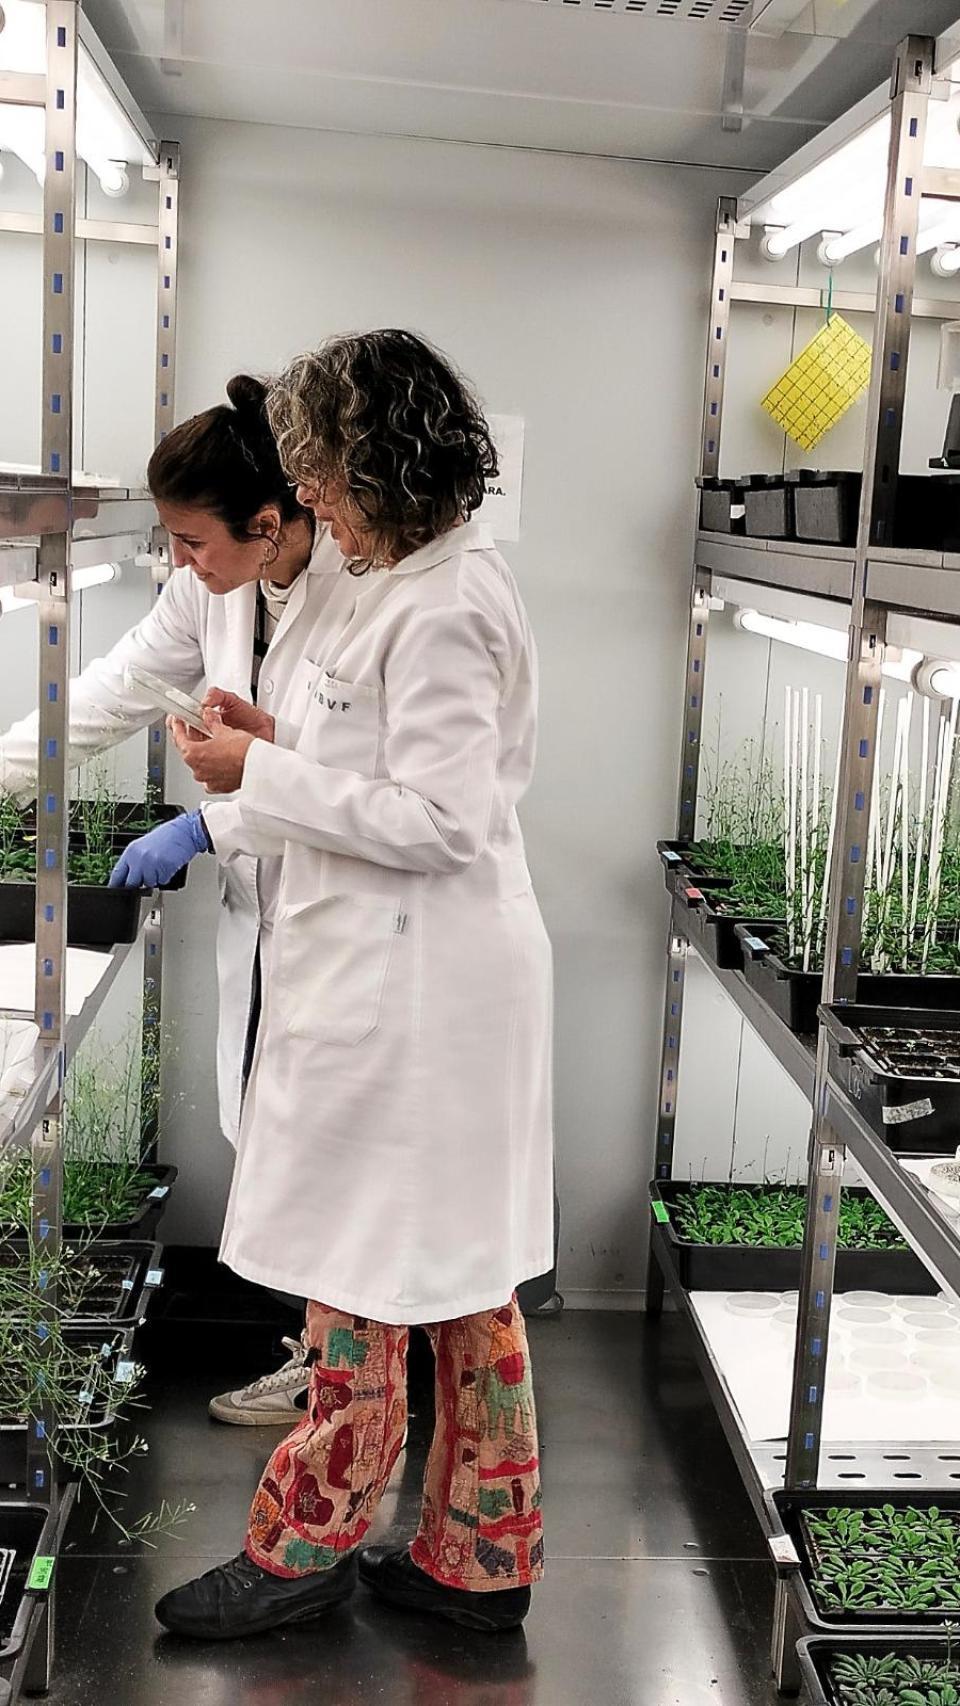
(247, 394)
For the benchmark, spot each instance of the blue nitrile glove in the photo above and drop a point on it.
(155, 858)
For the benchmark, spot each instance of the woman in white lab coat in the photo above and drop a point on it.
(251, 572)
(395, 1154)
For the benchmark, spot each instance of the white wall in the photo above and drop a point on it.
(573, 291)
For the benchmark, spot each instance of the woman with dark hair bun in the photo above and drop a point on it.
(395, 1155)
(251, 571)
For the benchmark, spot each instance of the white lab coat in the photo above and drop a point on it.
(395, 1154)
(189, 638)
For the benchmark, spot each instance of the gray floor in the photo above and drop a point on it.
(656, 1591)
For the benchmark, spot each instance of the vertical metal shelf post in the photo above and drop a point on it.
(714, 376)
(53, 615)
(910, 94)
(167, 258)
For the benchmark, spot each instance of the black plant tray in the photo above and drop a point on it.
(126, 825)
(97, 917)
(816, 1652)
(128, 1277)
(795, 995)
(158, 1182)
(28, 1532)
(792, 1508)
(114, 1348)
(701, 899)
(742, 1267)
(911, 1101)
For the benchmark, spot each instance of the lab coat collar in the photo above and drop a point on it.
(472, 536)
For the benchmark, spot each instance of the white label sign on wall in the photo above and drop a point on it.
(501, 506)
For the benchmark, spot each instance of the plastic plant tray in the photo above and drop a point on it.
(902, 1069)
(721, 505)
(127, 1277)
(97, 917)
(701, 898)
(26, 1534)
(825, 505)
(158, 1182)
(114, 1348)
(744, 1267)
(768, 502)
(795, 995)
(816, 1652)
(792, 1510)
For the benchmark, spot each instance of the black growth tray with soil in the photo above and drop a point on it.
(737, 1215)
(874, 1558)
(880, 1670)
(108, 1285)
(902, 1069)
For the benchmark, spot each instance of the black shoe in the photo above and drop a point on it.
(391, 1573)
(240, 1598)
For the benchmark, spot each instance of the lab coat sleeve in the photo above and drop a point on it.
(443, 680)
(103, 710)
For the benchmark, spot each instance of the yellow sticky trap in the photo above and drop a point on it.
(820, 384)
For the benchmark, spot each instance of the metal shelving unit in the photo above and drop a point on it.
(52, 522)
(867, 582)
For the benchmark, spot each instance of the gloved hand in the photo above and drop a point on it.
(158, 856)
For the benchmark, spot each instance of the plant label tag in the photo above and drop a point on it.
(126, 1285)
(783, 1552)
(154, 1277)
(669, 857)
(661, 1213)
(7, 1560)
(919, 1110)
(159, 1192)
(126, 1371)
(41, 1574)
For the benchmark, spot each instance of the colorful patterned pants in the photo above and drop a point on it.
(480, 1525)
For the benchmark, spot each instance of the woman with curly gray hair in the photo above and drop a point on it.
(395, 1155)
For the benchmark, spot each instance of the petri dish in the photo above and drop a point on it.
(754, 1303)
(935, 1356)
(785, 1321)
(938, 1305)
(865, 1300)
(878, 1357)
(945, 1380)
(869, 1335)
(864, 1317)
(944, 1338)
(896, 1383)
(841, 1383)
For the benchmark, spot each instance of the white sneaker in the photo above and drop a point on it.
(271, 1401)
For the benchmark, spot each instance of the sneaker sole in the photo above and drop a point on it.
(308, 1614)
(427, 1607)
(237, 1417)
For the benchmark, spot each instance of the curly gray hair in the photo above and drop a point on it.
(387, 416)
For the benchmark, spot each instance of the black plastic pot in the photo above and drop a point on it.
(795, 995)
(825, 505)
(721, 505)
(129, 1275)
(116, 1350)
(26, 1533)
(740, 1267)
(768, 503)
(908, 1099)
(816, 1652)
(792, 1510)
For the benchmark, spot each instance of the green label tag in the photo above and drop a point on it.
(41, 1575)
(661, 1212)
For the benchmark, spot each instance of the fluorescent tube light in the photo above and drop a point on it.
(107, 137)
(22, 597)
(898, 665)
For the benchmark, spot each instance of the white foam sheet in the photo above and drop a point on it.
(85, 968)
(756, 1359)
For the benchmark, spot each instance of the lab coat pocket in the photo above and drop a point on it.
(331, 960)
(342, 723)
